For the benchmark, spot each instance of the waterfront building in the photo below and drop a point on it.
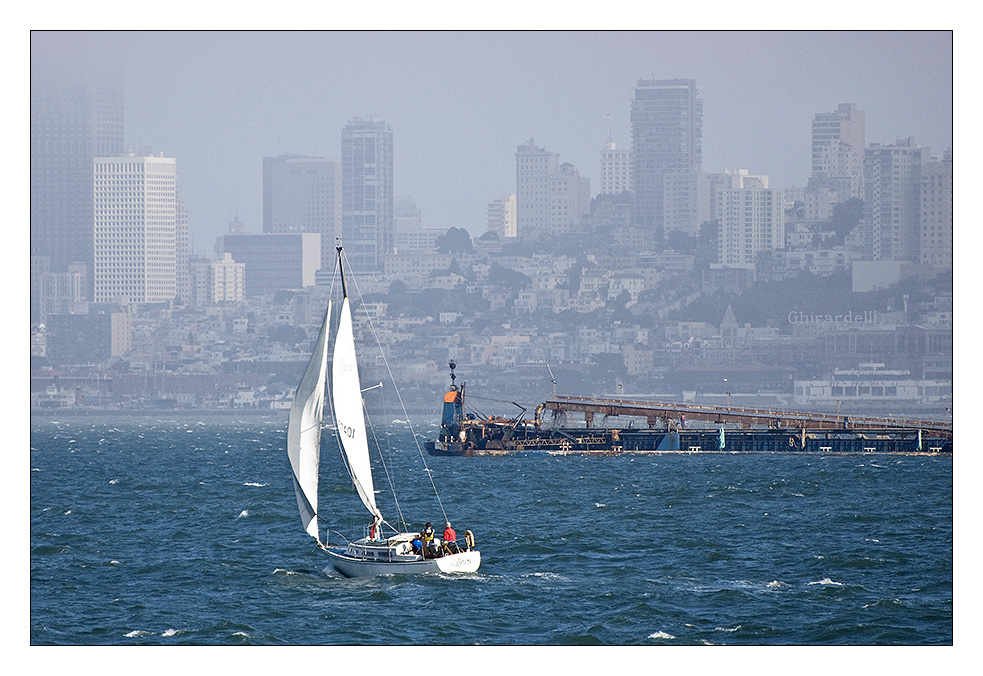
(892, 202)
(367, 226)
(870, 384)
(70, 125)
(615, 169)
(135, 216)
(274, 262)
(667, 138)
(303, 194)
(935, 246)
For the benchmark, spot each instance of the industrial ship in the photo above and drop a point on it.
(674, 428)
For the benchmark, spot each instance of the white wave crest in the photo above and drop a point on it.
(250, 483)
(829, 582)
(171, 632)
(662, 635)
(243, 514)
(136, 633)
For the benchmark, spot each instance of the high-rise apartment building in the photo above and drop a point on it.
(892, 200)
(501, 216)
(70, 125)
(615, 169)
(551, 198)
(750, 217)
(533, 168)
(134, 229)
(667, 138)
(303, 194)
(838, 151)
(935, 247)
(367, 193)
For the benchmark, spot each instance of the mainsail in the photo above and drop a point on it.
(304, 429)
(346, 394)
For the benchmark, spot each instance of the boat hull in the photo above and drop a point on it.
(349, 566)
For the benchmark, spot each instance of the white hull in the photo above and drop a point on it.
(350, 566)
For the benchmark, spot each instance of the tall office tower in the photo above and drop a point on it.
(615, 169)
(70, 125)
(551, 199)
(666, 138)
(501, 216)
(367, 193)
(303, 194)
(936, 212)
(838, 152)
(892, 194)
(135, 229)
(750, 216)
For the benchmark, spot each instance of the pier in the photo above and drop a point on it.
(660, 413)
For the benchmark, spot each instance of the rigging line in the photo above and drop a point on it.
(382, 459)
(406, 415)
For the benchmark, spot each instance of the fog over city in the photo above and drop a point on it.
(460, 102)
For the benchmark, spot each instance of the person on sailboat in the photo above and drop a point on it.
(450, 539)
(429, 548)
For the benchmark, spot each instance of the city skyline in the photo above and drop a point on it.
(460, 102)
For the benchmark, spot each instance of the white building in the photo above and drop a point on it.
(750, 215)
(501, 216)
(550, 198)
(135, 229)
(615, 169)
(892, 208)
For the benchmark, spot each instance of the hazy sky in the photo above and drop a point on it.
(460, 102)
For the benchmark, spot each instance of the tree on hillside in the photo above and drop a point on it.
(455, 240)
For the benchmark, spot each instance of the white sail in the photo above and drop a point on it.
(346, 394)
(304, 429)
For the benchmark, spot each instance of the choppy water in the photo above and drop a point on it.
(174, 532)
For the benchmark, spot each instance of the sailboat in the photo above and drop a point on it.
(376, 553)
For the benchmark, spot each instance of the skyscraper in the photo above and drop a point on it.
(667, 138)
(892, 194)
(367, 225)
(303, 194)
(69, 126)
(135, 229)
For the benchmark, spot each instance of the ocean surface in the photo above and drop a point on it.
(185, 531)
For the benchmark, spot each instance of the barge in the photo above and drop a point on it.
(675, 428)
